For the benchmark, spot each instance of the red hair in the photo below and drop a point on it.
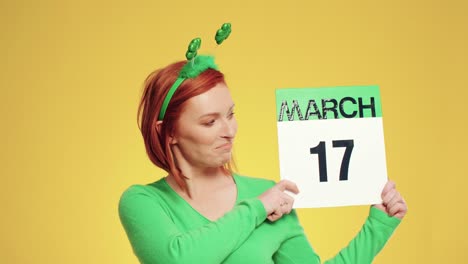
(156, 86)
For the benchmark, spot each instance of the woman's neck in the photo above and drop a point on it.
(201, 181)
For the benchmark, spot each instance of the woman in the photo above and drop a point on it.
(202, 212)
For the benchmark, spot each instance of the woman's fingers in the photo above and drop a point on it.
(402, 212)
(392, 201)
(287, 204)
(286, 185)
(390, 185)
(277, 214)
(284, 207)
(398, 210)
(391, 194)
(276, 201)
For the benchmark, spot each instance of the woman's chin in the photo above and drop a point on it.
(225, 158)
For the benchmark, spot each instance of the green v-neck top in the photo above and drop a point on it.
(163, 228)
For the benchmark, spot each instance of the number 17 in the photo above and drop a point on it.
(322, 158)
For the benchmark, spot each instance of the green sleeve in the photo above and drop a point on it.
(296, 249)
(361, 250)
(156, 239)
(369, 241)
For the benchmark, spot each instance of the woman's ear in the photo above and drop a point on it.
(158, 126)
(172, 139)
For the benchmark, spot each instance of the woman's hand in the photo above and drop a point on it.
(392, 202)
(276, 201)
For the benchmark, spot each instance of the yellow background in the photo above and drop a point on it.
(71, 76)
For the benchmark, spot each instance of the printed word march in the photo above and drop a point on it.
(347, 107)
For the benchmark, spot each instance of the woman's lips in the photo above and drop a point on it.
(226, 146)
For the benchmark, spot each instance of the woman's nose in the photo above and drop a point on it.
(229, 128)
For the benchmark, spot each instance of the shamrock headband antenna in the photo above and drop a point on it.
(195, 65)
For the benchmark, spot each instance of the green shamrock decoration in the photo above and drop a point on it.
(193, 48)
(223, 33)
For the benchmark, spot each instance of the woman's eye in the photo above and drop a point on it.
(231, 115)
(209, 123)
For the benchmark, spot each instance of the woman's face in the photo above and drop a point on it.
(206, 129)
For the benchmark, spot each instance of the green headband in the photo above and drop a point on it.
(195, 65)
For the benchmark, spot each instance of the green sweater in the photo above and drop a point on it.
(163, 228)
